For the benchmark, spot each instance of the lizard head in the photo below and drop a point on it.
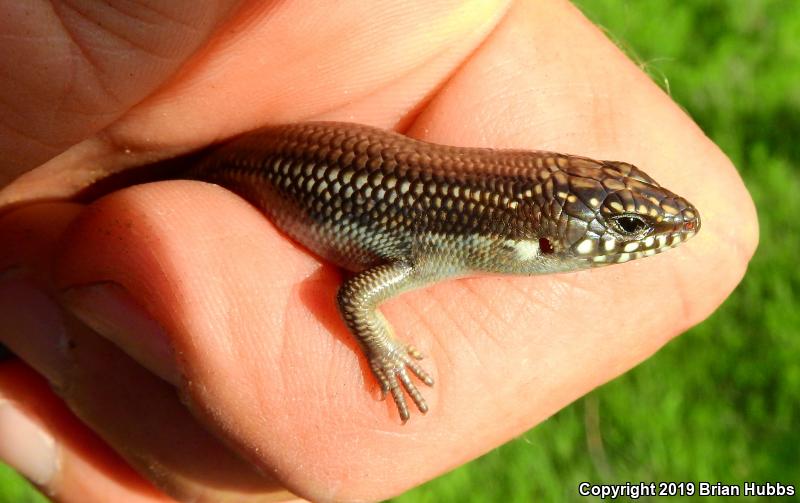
(596, 213)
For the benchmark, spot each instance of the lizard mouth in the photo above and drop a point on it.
(649, 245)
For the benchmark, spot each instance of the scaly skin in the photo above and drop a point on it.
(402, 214)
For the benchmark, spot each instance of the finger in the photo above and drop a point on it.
(71, 70)
(137, 414)
(258, 68)
(253, 320)
(44, 441)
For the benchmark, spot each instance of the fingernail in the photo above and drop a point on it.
(110, 311)
(25, 446)
(31, 326)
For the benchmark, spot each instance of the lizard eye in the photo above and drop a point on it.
(630, 224)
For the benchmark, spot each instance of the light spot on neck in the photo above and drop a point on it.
(526, 249)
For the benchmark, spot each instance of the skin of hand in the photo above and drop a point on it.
(200, 350)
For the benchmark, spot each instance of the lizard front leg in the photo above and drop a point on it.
(358, 300)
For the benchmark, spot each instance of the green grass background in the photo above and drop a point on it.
(721, 403)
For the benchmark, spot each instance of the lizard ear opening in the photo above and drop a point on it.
(545, 246)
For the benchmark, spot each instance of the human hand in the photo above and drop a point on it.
(241, 322)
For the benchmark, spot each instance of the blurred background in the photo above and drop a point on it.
(722, 402)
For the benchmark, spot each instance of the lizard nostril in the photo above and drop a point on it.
(545, 245)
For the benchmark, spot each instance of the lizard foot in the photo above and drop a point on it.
(391, 368)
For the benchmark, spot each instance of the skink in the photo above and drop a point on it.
(401, 214)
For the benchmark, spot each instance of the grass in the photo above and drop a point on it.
(720, 403)
(14, 489)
